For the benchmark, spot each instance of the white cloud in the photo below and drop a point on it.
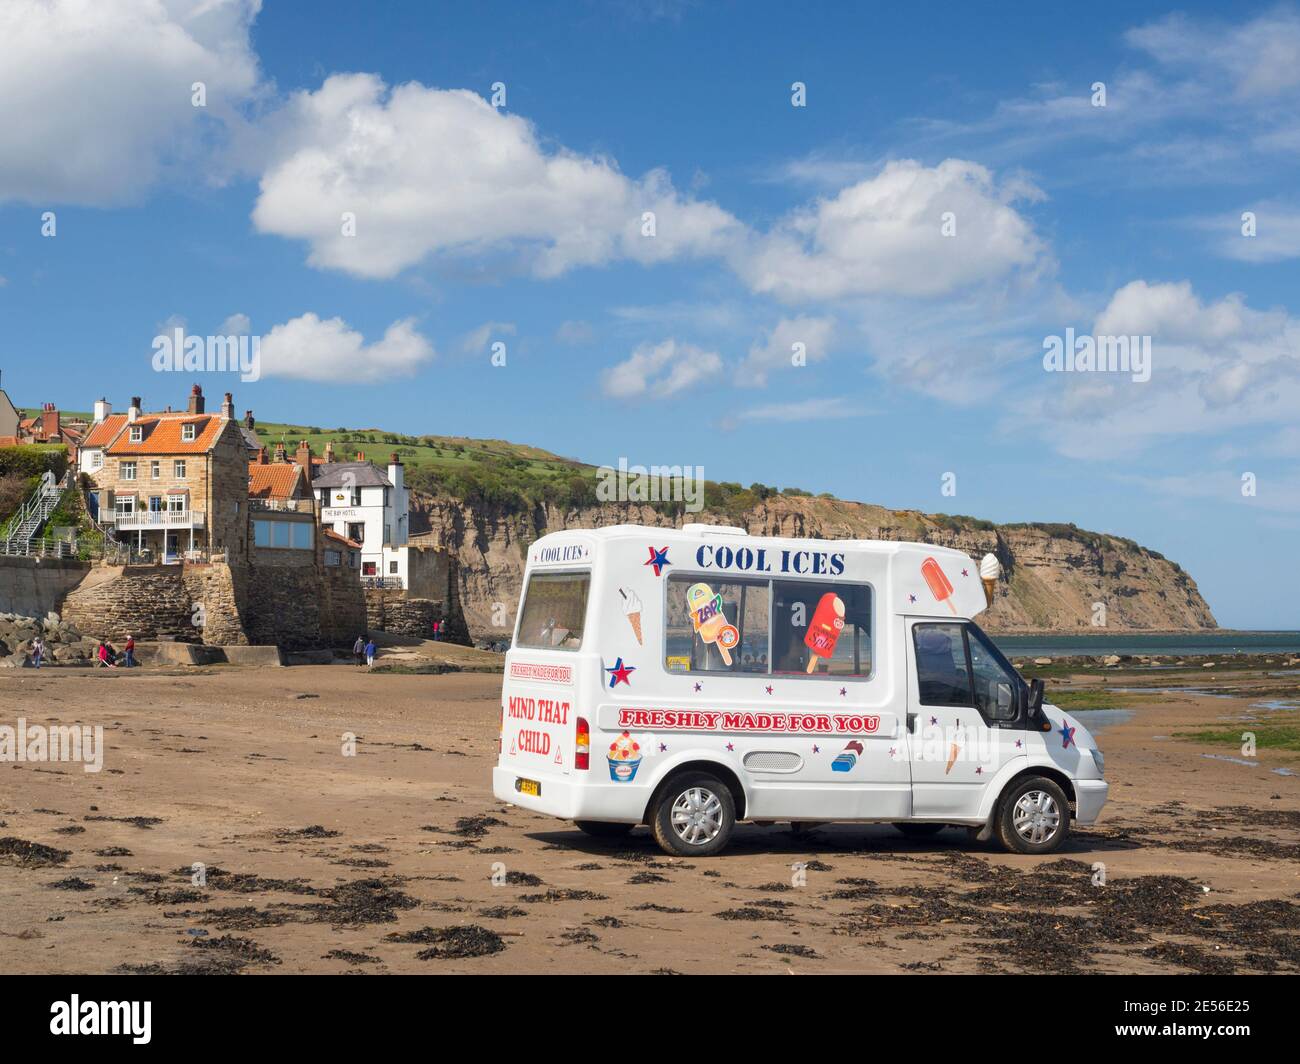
(311, 348)
(235, 325)
(1216, 366)
(431, 172)
(475, 342)
(777, 348)
(95, 95)
(803, 410)
(884, 236)
(660, 370)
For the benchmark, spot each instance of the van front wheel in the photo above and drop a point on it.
(695, 815)
(1034, 816)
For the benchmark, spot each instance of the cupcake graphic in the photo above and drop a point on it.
(624, 758)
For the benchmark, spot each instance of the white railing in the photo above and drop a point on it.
(299, 506)
(157, 519)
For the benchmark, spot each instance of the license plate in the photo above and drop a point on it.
(532, 787)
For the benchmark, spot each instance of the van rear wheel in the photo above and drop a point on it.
(603, 829)
(1034, 816)
(695, 815)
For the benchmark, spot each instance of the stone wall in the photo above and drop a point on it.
(342, 606)
(392, 611)
(34, 587)
(148, 602)
(219, 593)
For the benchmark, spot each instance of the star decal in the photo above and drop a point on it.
(979, 771)
(844, 692)
(769, 689)
(698, 686)
(911, 598)
(663, 748)
(658, 559)
(1067, 736)
(965, 572)
(619, 673)
(731, 746)
(1019, 744)
(934, 720)
(893, 751)
(816, 749)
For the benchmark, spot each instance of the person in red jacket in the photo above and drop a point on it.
(130, 661)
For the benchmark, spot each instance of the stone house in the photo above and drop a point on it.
(173, 485)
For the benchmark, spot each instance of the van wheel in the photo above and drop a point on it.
(603, 829)
(695, 815)
(1033, 817)
(920, 831)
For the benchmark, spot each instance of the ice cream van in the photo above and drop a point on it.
(691, 679)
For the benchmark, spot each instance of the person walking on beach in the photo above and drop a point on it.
(370, 651)
(38, 652)
(437, 630)
(359, 650)
(130, 661)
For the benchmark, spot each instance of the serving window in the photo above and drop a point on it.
(767, 627)
(554, 611)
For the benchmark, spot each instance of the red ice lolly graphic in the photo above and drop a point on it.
(825, 628)
(940, 586)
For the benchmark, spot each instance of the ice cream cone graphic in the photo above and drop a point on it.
(990, 571)
(954, 749)
(632, 611)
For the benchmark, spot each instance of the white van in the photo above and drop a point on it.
(689, 679)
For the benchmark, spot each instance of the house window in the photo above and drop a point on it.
(137, 433)
(357, 531)
(295, 535)
(368, 569)
(392, 568)
(333, 557)
(178, 469)
(187, 433)
(356, 496)
(155, 504)
(127, 470)
(155, 470)
(124, 505)
(96, 460)
(176, 504)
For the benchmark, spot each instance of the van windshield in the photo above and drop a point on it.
(555, 608)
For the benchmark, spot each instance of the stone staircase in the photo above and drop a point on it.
(20, 534)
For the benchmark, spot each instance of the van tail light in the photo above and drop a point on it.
(582, 747)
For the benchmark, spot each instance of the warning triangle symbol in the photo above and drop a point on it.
(512, 748)
(559, 758)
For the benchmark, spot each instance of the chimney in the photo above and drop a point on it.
(329, 451)
(196, 401)
(261, 456)
(50, 422)
(249, 423)
(395, 474)
(228, 407)
(361, 456)
(303, 455)
(102, 409)
(280, 454)
(133, 411)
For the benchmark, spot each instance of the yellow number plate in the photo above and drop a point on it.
(532, 787)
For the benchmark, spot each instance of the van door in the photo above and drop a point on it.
(965, 709)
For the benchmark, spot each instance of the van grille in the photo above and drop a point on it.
(773, 761)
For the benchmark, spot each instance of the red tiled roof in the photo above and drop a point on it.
(273, 480)
(162, 434)
(100, 434)
(331, 534)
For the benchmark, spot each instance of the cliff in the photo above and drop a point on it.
(1053, 574)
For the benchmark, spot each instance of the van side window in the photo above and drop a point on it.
(555, 607)
(821, 629)
(996, 682)
(716, 626)
(943, 677)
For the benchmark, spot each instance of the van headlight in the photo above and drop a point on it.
(1100, 760)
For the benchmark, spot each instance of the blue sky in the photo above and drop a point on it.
(820, 225)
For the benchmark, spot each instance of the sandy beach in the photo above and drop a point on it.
(398, 859)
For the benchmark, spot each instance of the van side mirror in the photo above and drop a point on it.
(1036, 715)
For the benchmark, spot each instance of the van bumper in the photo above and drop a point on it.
(1089, 797)
(567, 799)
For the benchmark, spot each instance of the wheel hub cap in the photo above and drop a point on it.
(696, 816)
(1036, 817)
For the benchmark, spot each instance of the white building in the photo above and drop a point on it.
(359, 501)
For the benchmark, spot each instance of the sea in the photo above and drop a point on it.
(1221, 642)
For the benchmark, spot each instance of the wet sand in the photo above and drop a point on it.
(385, 861)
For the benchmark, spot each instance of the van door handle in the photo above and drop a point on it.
(911, 723)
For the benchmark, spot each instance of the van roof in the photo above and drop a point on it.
(698, 531)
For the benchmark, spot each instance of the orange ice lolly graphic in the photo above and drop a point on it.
(940, 587)
(709, 620)
(824, 631)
